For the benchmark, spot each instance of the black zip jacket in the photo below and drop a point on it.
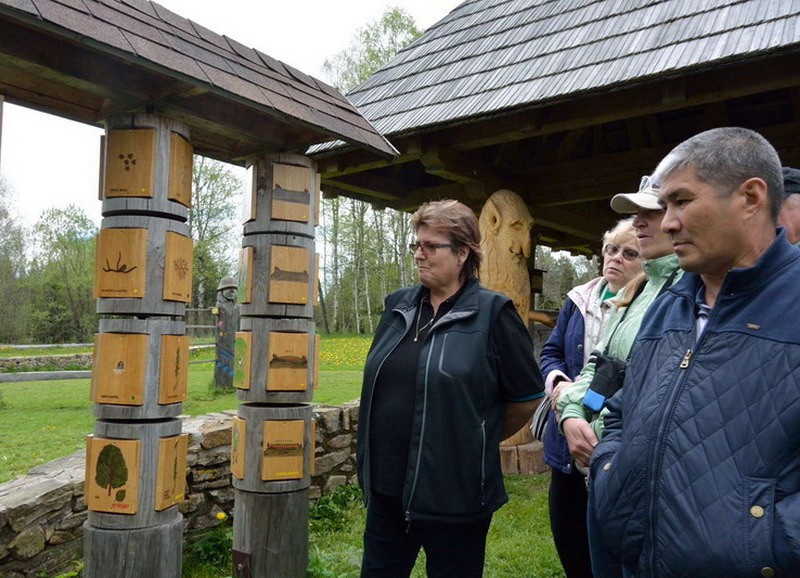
(453, 472)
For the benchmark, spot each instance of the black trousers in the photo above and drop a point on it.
(391, 545)
(568, 498)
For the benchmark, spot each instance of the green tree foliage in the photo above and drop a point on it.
(14, 302)
(372, 46)
(111, 471)
(216, 198)
(62, 275)
(365, 248)
(563, 272)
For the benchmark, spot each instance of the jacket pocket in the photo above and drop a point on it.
(759, 523)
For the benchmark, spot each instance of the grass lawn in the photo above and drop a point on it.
(519, 545)
(41, 421)
(44, 420)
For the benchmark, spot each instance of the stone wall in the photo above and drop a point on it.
(39, 362)
(42, 513)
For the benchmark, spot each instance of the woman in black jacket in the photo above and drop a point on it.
(449, 375)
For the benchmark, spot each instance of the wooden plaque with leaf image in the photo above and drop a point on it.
(112, 475)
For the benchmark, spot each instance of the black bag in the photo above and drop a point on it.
(609, 375)
(539, 421)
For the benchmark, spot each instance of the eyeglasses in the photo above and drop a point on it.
(427, 248)
(610, 249)
(648, 182)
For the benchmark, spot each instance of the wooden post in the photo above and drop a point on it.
(275, 359)
(136, 459)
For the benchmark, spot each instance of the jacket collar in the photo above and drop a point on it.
(467, 301)
(743, 280)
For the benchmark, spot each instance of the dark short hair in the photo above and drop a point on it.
(791, 181)
(725, 158)
(459, 223)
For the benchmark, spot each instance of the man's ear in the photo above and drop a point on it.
(755, 196)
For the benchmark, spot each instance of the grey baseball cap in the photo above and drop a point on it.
(645, 198)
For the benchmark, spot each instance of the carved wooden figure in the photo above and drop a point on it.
(227, 314)
(505, 224)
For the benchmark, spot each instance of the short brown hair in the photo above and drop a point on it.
(459, 223)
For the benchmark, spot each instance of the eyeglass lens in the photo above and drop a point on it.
(427, 248)
(627, 254)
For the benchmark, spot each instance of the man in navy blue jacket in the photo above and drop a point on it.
(698, 473)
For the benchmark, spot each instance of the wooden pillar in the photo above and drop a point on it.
(275, 370)
(136, 458)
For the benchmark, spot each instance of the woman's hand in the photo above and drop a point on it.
(563, 384)
(581, 439)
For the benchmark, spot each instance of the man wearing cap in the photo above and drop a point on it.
(581, 404)
(789, 216)
(698, 472)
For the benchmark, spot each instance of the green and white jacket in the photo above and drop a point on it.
(622, 330)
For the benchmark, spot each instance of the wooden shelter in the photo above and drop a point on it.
(164, 87)
(568, 102)
(88, 60)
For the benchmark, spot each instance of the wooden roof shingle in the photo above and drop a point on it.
(187, 64)
(487, 56)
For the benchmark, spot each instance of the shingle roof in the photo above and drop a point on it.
(488, 56)
(148, 35)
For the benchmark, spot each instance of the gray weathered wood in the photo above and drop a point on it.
(154, 328)
(259, 304)
(262, 195)
(43, 376)
(152, 303)
(143, 553)
(273, 530)
(149, 432)
(159, 204)
(260, 327)
(256, 415)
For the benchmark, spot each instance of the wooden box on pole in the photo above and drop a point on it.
(148, 167)
(131, 464)
(276, 445)
(140, 369)
(275, 360)
(143, 266)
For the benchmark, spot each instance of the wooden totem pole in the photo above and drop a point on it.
(136, 459)
(275, 357)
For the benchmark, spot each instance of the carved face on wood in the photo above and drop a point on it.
(505, 224)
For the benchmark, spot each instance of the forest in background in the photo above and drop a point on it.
(47, 270)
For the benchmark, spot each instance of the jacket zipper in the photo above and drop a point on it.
(369, 414)
(422, 430)
(664, 419)
(483, 461)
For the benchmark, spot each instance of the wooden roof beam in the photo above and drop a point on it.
(704, 87)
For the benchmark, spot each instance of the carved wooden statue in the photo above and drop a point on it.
(505, 224)
(227, 314)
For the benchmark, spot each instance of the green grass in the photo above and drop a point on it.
(519, 544)
(41, 421)
(44, 420)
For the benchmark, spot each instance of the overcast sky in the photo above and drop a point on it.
(51, 162)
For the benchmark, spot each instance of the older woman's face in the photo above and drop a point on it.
(621, 261)
(439, 269)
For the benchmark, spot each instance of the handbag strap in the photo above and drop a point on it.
(667, 284)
